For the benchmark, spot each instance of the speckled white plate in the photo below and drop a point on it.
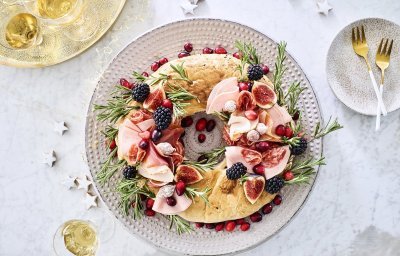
(167, 41)
(348, 74)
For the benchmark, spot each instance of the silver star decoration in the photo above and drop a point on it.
(84, 183)
(324, 7)
(49, 158)
(193, 1)
(188, 7)
(90, 201)
(60, 128)
(69, 182)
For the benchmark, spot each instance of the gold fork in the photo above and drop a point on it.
(360, 46)
(382, 61)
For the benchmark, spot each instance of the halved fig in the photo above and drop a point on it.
(187, 174)
(253, 187)
(264, 95)
(154, 99)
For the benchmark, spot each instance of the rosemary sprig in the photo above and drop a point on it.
(181, 72)
(181, 225)
(301, 178)
(138, 76)
(294, 141)
(116, 107)
(280, 69)
(303, 171)
(292, 96)
(193, 192)
(328, 128)
(109, 167)
(297, 127)
(160, 78)
(177, 94)
(224, 116)
(130, 191)
(110, 133)
(214, 155)
(249, 53)
(201, 166)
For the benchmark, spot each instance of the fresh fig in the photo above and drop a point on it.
(264, 95)
(253, 187)
(187, 174)
(154, 100)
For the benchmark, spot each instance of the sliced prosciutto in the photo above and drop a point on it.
(161, 206)
(155, 167)
(127, 140)
(224, 91)
(275, 160)
(278, 115)
(247, 157)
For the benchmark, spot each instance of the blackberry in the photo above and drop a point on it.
(140, 92)
(255, 72)
(299, 148)
(129, 172)
(162, 117)
(236, 171)
(274, 184)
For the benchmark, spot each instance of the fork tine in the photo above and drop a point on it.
(358, 36)
(363, 34)
(353, 35)
(384, 47)
(380, 48)
(390, 48)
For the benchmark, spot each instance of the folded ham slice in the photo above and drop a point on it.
(239, 124)
(275, 160)
(127, 141)
(224, 91)
(279, 115)
(247, 157)
(182, 203)
(155, 167)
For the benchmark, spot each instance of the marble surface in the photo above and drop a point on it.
(354, 208)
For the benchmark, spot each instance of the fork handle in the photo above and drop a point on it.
(378, 111)
(378, 95)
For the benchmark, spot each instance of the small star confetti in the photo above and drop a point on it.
(188, 7)
(84, 183)
(60, 128)
(324, 7)
(90, 201)
(49, 158)
(69, 182)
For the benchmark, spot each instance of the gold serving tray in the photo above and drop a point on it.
(59, 47)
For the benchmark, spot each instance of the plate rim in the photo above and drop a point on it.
(175, 21)
(328, 54)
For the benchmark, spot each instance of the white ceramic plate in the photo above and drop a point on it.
(167, 41)
(348, 74)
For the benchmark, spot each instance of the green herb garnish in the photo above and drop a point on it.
(193, 192)
(280, 69)
(328, 128)
(181, 225)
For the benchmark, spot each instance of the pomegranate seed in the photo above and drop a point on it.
(243, 86)
(162, 61)
(256, 217)
(210, 225)
(149, 203)
(296, 116)
(183, 54)
(156, 135)
(154, 66)
(220, 50)
(201, 137)
(262, 146)
(265, 69)
(245, 226)
(219, 226)
(240, 221)
(259, 169)
(145, 74)
(288, 175)
(267, 209)
(112, 145)
(201, 124)
(143, 197)
(188, 47)
(230, 225)
(210, 125)
(180, 188)
(199, 224)
(208, 50)
(202, 158)
(280, 130)
(277, 200)
(133, 204)
(167, 103)
(288, 132)
(171, 201)
(251, 115)
(149, 212)
(123, 82)
(144, 144)
(187, 121)
(237, 55)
